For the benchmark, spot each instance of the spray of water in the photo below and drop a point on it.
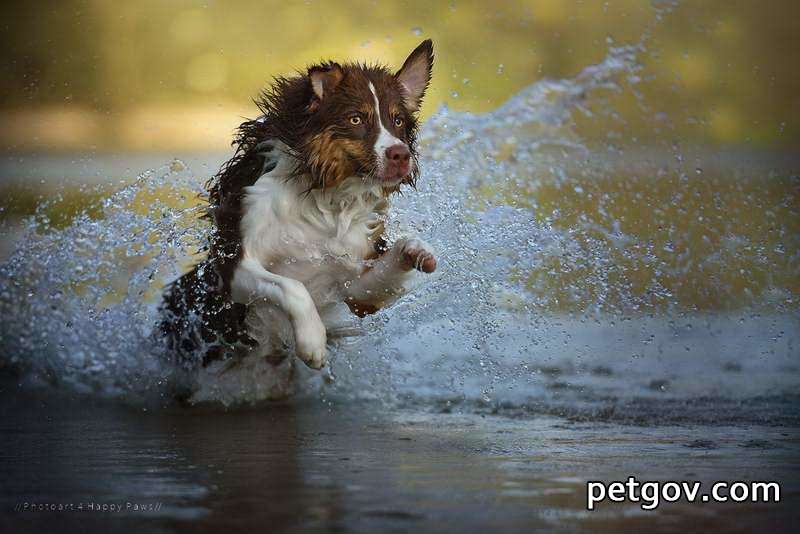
(530, 308)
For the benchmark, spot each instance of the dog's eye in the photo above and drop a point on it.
(398, 122)
(355, 120)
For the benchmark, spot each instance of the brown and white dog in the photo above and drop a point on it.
(298, 228)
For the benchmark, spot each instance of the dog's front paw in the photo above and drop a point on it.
(310, 340)
(417, 254)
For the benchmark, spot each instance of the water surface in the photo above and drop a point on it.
(599, 312)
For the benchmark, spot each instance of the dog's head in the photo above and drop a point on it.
(343, 120)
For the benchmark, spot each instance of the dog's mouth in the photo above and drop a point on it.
(396, 163)
(384, 175)
(393, 176)
(391, 173)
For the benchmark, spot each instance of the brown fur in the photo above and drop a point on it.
(308, 113)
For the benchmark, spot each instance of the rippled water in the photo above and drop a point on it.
(301, 466)
(600, 309)
(593, 282)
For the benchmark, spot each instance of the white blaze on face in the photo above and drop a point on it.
(385, 138)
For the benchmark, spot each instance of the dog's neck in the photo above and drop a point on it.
(350, 202)
(338, 207)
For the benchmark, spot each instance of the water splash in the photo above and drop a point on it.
(78, 303)
(535, 303)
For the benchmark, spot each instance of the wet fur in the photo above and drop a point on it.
(202, 323)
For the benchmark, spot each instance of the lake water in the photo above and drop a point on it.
(599, 312)
(358, 467)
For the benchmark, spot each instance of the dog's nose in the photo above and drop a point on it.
(398, 154)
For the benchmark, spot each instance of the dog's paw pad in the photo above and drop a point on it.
(311, 339)
(316, 360)
(418, 255)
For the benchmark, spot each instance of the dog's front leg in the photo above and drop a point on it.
(384, 282)
(251, 282)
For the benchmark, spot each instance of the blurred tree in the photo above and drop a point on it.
(720, 70)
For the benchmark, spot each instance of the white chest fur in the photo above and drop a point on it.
(303, 257)
(317, 237)
(301, 250)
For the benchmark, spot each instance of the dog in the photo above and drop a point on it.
(298, 233)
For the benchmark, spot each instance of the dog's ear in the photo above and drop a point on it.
(324, 78)
(415, 74)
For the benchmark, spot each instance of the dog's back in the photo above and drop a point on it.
(200, 321)
(298, 221)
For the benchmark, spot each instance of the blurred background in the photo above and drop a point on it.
(99, 91)
(619, 246)
(106, 76)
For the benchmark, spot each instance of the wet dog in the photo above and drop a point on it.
(298, 228)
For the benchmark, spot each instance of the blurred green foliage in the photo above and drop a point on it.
(722, 71)
(159, 76)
